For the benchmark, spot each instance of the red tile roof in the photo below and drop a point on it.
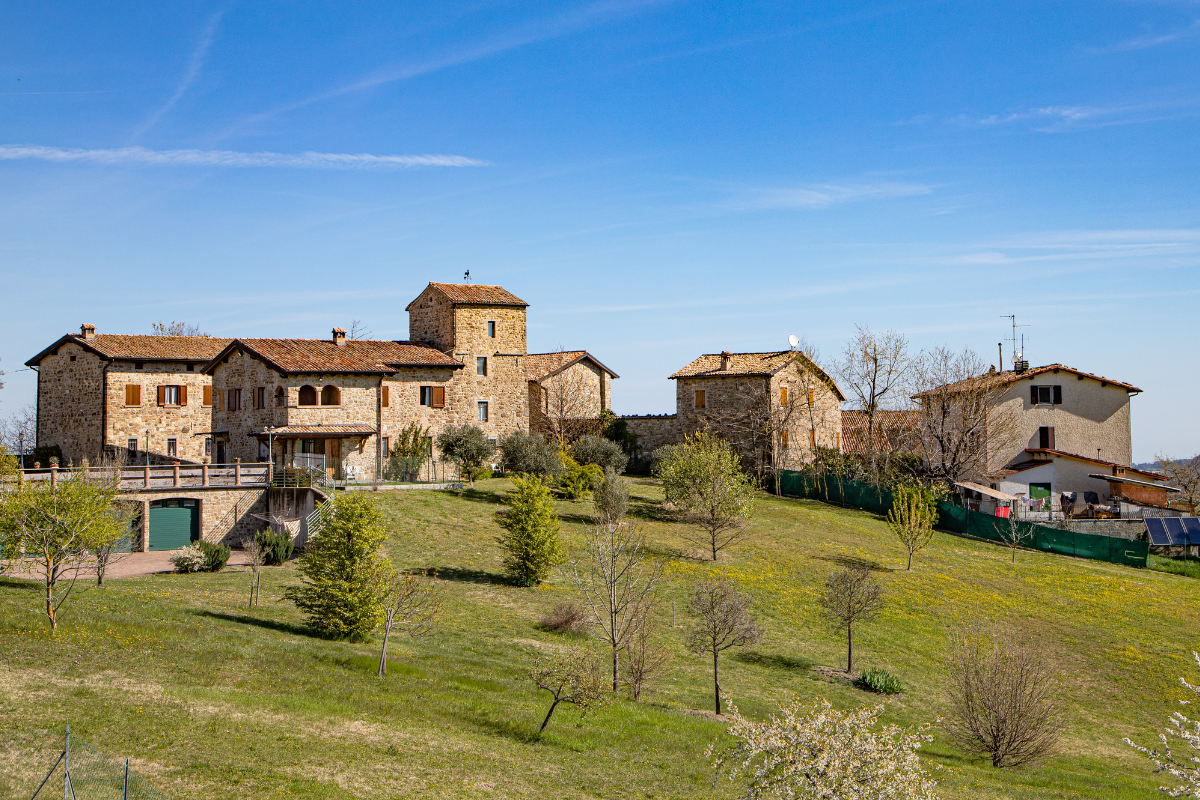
(141, 348)
(896, 430)
(539, 366)
(752, 364)
(990, 379)
(304, 431)
(477, 294)
(355, 356)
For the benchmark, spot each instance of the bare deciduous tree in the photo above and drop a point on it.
(570, 406)
(358, 330)
(1015, 533)
(409, 601)
(176, 329)
(851, 595)
(1184, 474)
(963, 424)
(19, 430)
(255, 558)
(618, 582)
(1187, 733)
(723, 620)
(643, 657)
(875, 369)
(1002, 698)
(576, 678)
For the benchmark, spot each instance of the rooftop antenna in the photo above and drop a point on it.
(1018, 358)
(793, 341)
(467, 276)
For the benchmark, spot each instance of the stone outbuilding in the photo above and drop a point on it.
(567, 388)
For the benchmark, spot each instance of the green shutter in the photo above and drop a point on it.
(174, 524)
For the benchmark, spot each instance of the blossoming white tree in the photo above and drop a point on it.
(820, 752)
(1187, 731)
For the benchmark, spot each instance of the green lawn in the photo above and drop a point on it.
(210, 700)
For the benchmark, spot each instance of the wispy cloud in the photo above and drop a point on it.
(1067, 118)
(1152, 40)
(520, 36)
(231, 158)
(195, 64)
(823, 195)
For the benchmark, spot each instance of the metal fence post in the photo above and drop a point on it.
(125, 784)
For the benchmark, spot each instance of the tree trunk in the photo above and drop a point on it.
(716, 681)
(546, 721)
(910, 552)
(50, 605)
(850, 648)
(616, 660)
(387, 631)
(714, 545)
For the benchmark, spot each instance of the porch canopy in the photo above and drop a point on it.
(317, 432)
(975, 487)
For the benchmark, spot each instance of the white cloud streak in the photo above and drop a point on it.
(230, 158)
(823, 195)
(195, 64)
(1065, 119)
(529, 33)
(1152, 40)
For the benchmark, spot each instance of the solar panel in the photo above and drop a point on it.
(1174, 527)
(1191, 529)
(1158, 531)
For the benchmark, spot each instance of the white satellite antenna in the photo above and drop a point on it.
(793, 341)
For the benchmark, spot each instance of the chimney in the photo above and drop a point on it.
(339, 336)
(87, 331)
(725, 354)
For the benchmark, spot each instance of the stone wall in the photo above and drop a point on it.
(654, 431)
(581, 391)
(227, 516)
(189, 424)
(431, 320)
(70, 403)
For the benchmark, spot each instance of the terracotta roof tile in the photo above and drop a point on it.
(749, 364)
(301, 431)
(539, 366)
(896, 429)
(143, 348)
(364, 356)
(989, 379)
(478, 294)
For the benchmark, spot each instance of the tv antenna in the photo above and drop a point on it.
(793, 341)
(1018, 355)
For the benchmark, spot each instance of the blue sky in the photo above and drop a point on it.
(657, 179)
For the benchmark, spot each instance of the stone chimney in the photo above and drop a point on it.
(725, 356)
(339, 336)
(87, 331)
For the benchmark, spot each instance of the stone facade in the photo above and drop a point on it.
(653, 431)
(227, 516)
(71, 388)
(581, 391)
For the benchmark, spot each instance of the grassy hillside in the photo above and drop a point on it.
(211, 700)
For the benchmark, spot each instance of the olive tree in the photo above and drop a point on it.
(467, 446)
(703, 479)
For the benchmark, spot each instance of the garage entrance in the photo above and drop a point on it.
(174, 523)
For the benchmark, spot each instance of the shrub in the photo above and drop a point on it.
(276, 547)
(531, 546)
(467, 446)
(216, 556)
(703, 478)
(411, 448)
(880, 680)
(578, 481)
(530, 454)
(603, 453)
(568, 618)
(341, 566)
(189, 559)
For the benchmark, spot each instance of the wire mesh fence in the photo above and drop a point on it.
(52, 764)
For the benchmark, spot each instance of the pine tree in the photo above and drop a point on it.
(341, 590)
(531, 546)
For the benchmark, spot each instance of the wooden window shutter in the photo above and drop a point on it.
(220, 401)
(437, 397)
(183, 395)
(812, 396)
(162, 395)
(385, 396)
(1033, 395)
(784, 438)
(1051, 430)
(206, 396)
(812, 438)
(700, 398)
(783, 402)
(1058, 395)
(133, 394)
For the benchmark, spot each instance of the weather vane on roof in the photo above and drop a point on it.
(467, 276)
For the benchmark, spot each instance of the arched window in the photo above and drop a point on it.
(330, 396)
(308, 396)
(279, 397)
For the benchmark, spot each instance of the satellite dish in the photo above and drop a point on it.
(793, 341)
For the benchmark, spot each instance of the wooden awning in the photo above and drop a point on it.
(317, 432)
(975, 487)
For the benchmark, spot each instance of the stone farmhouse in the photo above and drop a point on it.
(338, 402)
(777, 408)
(565, 388)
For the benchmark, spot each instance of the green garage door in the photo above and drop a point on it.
(174, 523)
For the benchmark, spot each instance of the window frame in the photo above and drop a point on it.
(172, 448)
(336, 392)
(428, 393)
(131, 447)
(482, 411)
(136, 390)
(233, 399)
(699, 399)
(481, 366)
(491, 329)
(260, 397)
(316, 396)
(208, 446)
(172, 395)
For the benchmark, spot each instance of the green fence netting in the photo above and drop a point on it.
(39, 765)
(954, 518)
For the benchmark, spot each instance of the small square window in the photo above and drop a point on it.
(481, 366)
(137, 365)
(491, 330)
(171, 451)
(483, 411)
(191, 367)
(72, 358)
